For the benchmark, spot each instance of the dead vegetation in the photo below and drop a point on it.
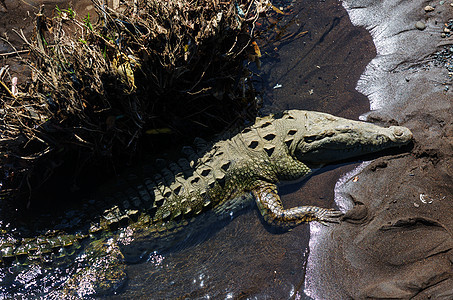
(101, 83)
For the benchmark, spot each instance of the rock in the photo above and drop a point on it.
(428, 8)
(420, 25)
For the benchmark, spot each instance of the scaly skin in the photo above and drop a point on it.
(215, 180)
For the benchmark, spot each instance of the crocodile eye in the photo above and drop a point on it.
(398, 132)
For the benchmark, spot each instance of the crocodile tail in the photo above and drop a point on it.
(42, 248)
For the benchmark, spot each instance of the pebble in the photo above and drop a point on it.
(420, 25)
(428, 8)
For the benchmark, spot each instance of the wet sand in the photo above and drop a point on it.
(396, 242)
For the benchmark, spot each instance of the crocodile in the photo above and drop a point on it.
(163, 205)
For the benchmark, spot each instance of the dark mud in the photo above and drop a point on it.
(396, 242)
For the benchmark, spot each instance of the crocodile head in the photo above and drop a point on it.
(324, 138)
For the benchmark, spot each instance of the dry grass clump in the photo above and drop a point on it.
(100, 83)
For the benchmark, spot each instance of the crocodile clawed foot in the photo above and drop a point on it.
(326, 216)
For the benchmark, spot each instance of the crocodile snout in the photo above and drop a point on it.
(400, 134)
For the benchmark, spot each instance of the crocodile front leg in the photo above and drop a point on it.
(273, 213)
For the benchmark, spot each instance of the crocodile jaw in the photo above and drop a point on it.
(332, 139)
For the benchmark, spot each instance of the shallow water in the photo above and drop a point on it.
(244, 259)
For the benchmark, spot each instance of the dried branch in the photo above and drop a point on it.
(98, 86)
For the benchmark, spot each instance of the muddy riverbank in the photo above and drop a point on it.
(396, 241)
